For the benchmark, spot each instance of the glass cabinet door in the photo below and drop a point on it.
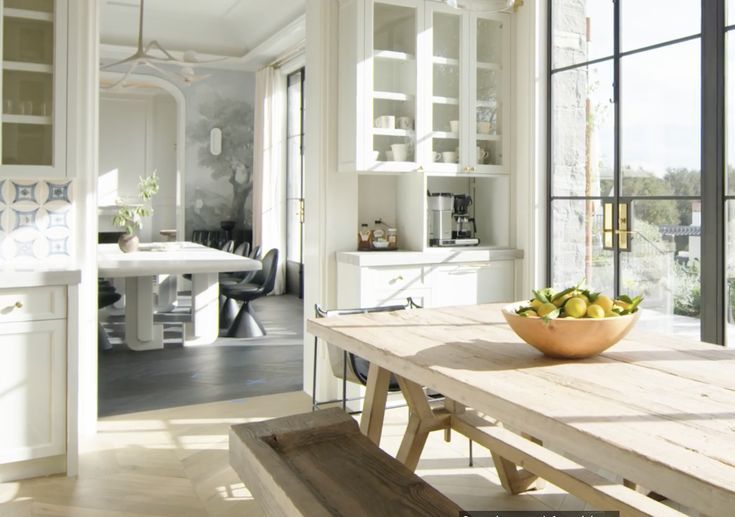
(447, 84)
(30, 84)
(394, 86)
(488, 90)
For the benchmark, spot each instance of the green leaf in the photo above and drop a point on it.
(551, 316)
(540, 296)
(625, 298)
(563, 293)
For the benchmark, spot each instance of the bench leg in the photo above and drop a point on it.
(421, 421)
(513, 479)
(373, 410)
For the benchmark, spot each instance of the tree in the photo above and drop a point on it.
(235, 162)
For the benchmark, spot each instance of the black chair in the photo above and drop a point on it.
(106, 296)
(228, 306)
(246, 324)
(353, 368)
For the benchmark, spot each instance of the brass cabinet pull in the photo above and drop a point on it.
(19, 305)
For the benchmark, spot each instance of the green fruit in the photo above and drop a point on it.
(605, 302)
(575, 307)
(546, 308)
(595, 311)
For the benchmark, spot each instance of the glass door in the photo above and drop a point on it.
(447, 87)
(625, 182)
(394, 86)
(295, 183)
(488, 89)
(30, 85)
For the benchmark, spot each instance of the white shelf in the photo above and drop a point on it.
(488, 66)
(499, 172)
(392, 55)
(437, 60)
(445, 100)
(26, 119)
(380, 131)
(445, 135)
(391, 96)
(26, 14)
(486, 137)
(20, 66)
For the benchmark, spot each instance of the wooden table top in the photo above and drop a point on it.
(169, 258)
(659, 411)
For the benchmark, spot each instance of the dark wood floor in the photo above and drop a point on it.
(228, 369)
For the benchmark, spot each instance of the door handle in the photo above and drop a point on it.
(623, 231)
(607, 226)
(624, 227)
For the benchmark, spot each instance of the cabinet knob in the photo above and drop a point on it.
(398, 278)
(472, 169)
(19, 305)
(421, 168)
(467, 168)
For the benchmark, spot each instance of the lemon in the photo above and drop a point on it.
(546, 308)
(612, 314)
(605, 302)
(595, 311)
(623, 305)
(530, 314)
(575, 307)
(536, 303)
(562, 299)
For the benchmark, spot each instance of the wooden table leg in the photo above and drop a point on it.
(421, 421)
(513, 479)
(373, 410)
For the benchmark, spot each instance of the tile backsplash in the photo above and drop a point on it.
(35, 221)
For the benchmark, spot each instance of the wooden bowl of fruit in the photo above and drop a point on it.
(574, 323)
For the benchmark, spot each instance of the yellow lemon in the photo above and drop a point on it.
(536, 303)
(562, 299)
(595, 311)
(545, 309)
(530, 314)
(612, 314)
(575, 307)
(623, 305)
(605, 302)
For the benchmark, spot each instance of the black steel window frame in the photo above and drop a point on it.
(713, 189)
(301, 74)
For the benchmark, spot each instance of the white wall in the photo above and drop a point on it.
(137, 136)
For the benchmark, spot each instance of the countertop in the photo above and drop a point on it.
(430, 256)
(13, 277)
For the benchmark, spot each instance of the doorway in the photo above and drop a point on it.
(295, 183)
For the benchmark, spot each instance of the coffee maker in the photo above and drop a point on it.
(441, 205)
(464, 229)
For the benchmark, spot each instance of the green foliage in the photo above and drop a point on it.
(687, 288)
(130, 216)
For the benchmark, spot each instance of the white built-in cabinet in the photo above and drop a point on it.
(33, 373)
(34, 88)
(424, 105)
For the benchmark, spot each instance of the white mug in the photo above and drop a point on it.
(437, 157)
(400, 152)
(482, 155)
(484, 128)
(385, 122)
(449, 157)
(454, 126)
(404, 123)
(389, 156)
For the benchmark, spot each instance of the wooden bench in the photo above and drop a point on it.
(319, 464)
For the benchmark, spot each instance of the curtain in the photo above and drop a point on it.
(269, 168)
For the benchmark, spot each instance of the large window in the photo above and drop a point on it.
(625, 181)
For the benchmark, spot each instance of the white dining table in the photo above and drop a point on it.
(140, 270)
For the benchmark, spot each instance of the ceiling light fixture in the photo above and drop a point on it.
(153, 54)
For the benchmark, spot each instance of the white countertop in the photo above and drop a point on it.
(430, 256)
(13, 277)
(169, 257)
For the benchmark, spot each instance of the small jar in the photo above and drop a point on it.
(392, 235)
(364, 238)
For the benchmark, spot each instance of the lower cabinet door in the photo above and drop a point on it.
(496, 282)
(421, 297)
(32, 390)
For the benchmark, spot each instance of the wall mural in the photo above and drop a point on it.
(219, 188)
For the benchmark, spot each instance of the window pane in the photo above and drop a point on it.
(660, 121)
(730, 12)
(582, 131)
(648, 22)
(730, 113)
(662, 264)
(581, 31)
(730, 272)
(578, 250)
(294, 104)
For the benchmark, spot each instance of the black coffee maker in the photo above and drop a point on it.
(464, 229)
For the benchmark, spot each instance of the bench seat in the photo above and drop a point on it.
(318, 464)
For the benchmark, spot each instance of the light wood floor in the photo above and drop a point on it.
(174, 462)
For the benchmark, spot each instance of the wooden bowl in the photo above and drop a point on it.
(569, 338)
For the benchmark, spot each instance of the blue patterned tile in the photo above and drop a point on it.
(58, 218)
(24, 248)
(58, 246)
(58, 192)
(25, 219)
(25, 192)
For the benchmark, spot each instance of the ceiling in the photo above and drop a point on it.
(231, 28)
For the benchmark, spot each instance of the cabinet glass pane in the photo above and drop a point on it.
(489, 82)
(394, 83)
(582, 118)
(45, 6)
(581, 31)
(26, 144)
(28, 41)
(447, 29)
(660, 121)
(657, 21)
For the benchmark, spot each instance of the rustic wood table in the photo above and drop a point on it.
(657, 411)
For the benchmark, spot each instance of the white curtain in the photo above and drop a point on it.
(269, 168)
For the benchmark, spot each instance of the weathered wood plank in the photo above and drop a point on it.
(376, 395)
(646, 413)
(320, 464)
